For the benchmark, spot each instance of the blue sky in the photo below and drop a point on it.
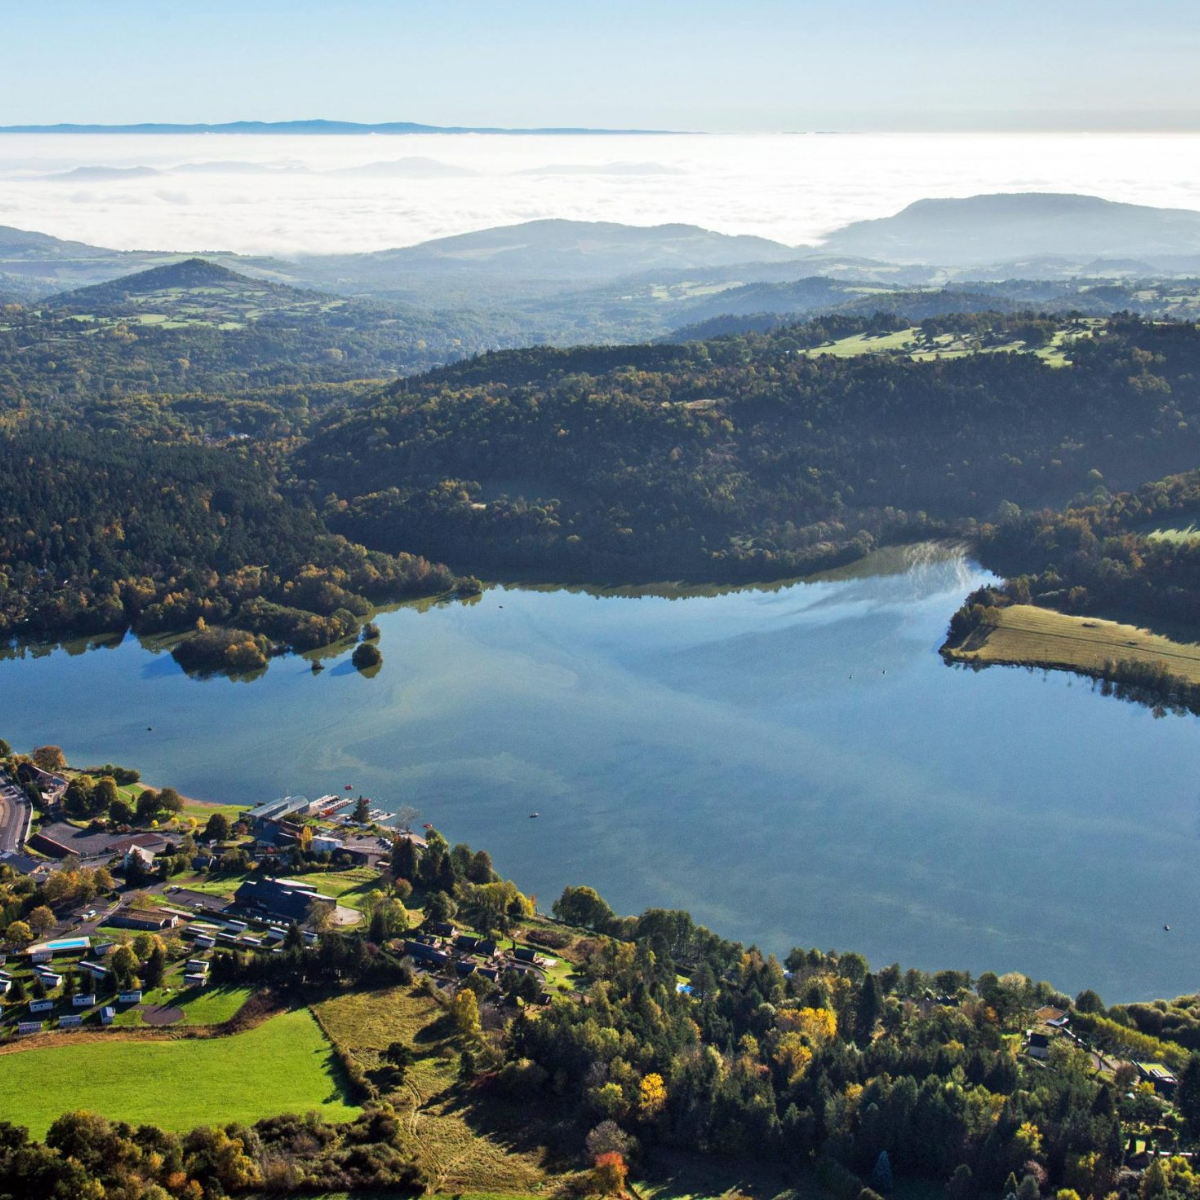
(680, 64)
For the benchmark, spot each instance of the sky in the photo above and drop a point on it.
(733, 66)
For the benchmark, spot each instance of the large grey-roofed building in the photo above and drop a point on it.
(280, 810)
(281, 899)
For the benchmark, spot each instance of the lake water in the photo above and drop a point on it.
(794, 765)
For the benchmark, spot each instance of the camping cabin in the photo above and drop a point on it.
(41, 1006)
(85, 1001)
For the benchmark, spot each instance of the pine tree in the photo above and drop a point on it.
(155, 968)
(404, 859)
(1187, 1095)
(870, 1002)
(881, 1176)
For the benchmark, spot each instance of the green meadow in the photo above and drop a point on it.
(283, 1065)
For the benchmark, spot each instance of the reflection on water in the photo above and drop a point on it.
(795, 765)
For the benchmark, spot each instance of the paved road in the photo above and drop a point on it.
(14, 815)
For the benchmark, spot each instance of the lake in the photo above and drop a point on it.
(795, 765)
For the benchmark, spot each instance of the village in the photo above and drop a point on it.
(294, 932)
(259, 880)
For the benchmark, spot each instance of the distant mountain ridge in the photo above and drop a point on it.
(555, 253)
(322, 127)
(566, 281)
(1002, 227)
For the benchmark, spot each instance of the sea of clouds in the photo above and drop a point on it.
(288, 194)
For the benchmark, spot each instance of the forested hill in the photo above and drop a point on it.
(100, 532)
(199, 279)
(745, 456)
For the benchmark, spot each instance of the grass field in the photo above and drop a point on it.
(477, 1149)
(901, 341)
(202, 810)
(284, 1065)
(911, 342)
(1042, 637)
(348, 887)
(201, 1006)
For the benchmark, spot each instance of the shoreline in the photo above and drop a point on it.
(1026, 635)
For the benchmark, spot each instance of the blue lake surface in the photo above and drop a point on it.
(795, 765)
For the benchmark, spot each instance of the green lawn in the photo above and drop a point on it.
(202, 810)
(349, 887)
(284, 1065)
(201, 1006)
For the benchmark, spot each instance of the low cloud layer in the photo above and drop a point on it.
(284, 195)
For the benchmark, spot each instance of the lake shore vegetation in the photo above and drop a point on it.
(456, 1040)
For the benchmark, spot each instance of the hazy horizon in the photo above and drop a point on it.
(674, 64)
(287, 194)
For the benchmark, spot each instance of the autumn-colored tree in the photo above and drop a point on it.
(40, 919)
(464, 1009)
(49, 758)
(19, 933)
(144, 944)
(652, 1096)
(124, 965)
(609, 1174)
(793, 1055)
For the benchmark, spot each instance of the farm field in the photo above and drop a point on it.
(283, 1065)
(1036, 636)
